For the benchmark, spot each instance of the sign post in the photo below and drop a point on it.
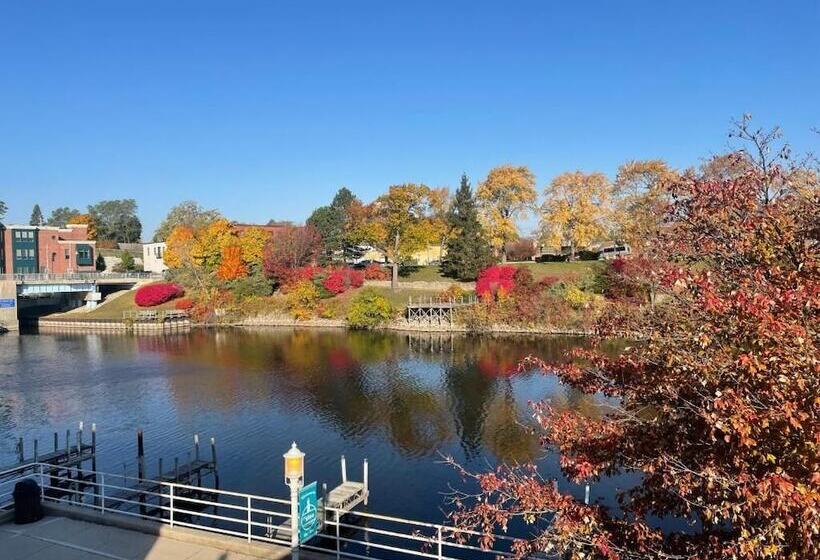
(308, 513)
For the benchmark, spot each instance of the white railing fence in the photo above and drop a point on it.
(79, 276)
(255, 518)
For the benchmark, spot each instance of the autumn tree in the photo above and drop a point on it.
(641, 195)
(187, 213)
(468, 250)
(181, 254)
(507, 194)
(36, 216)
(576, 210)
(717, 408)
(88, 220)
(252, 243)
(232, 265)
(211, 240)
(293, 247)
(397, 223)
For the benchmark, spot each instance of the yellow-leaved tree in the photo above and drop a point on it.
(88, 220)
(641, 196)
(576, 211)
(508, 193)
(211, 241)
(398, 223)
(252, 241)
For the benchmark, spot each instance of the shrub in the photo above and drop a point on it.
(302, 299)
(548, 281)
(156, 294)
(376, 272)
(453, 292)
(577, 298)
(342, 279)
(184, 304)
(252, 286)
(495, 279)
(369, 310)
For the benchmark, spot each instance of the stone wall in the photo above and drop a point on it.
(8, 305)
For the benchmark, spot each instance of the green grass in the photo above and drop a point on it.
(561, 270)
(112, 310)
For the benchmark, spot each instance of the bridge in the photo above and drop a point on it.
(29, 290)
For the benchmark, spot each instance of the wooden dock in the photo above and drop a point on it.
(433, 310)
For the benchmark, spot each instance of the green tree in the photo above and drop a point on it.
(3, 209)
(117, 220)
(126, 263)
(187, 213)
(36, 216)
(468, 251)
(331, 222)
(99, 264)
(59, 217)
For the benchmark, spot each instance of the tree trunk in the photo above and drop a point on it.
(394, 276)
(503, 254)
(572, 252)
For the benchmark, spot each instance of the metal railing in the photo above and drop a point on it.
(356, 534)
(79, 276)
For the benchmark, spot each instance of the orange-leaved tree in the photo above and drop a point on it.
(232, 265)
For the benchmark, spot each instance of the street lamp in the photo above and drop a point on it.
(294, 477)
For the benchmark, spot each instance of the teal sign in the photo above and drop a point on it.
(308, 513)
(6, 303)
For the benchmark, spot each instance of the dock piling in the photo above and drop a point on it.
(344, 470)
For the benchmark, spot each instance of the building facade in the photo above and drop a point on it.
(45, 249)
(153, 257)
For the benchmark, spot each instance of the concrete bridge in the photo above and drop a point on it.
(31, 290)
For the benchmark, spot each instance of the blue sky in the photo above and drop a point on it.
(263, 109)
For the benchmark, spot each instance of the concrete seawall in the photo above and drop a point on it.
(8, 306)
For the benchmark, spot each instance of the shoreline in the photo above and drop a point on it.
(288, 322)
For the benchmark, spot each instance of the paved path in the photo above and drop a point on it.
(60, 538)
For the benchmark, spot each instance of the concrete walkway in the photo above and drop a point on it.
(60, 538)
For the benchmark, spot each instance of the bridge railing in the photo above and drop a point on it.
(80, 276)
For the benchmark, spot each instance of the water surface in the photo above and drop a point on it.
(400, 400)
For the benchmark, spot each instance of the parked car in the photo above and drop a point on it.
(612, 252)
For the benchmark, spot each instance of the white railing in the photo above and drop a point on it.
(78, 276)
(357, 534)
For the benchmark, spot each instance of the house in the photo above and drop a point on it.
(28, 249)
(152, 257)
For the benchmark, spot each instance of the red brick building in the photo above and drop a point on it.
(46, 249)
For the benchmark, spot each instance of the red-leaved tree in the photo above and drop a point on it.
(718, 401)
(494, 280)
(292, 248)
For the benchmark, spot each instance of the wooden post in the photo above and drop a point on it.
(36, 455)
(140, 454)
(344, 470)
(56, 442)
(20, 454)
(94, 447)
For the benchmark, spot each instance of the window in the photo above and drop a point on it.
(53, 257)
(67, 254)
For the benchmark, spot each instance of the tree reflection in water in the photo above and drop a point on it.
(419, 392)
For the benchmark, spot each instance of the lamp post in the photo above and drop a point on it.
(294, 478)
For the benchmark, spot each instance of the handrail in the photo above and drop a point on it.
(183, 505)
(78, 276)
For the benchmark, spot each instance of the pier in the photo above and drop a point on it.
(432, 310)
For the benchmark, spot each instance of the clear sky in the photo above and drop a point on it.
(263, 109)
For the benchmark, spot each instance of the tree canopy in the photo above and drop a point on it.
(333, 222)
(187, 213)
(3, 209)
(716, 408)
(505, 195)
(117, 220)
(576, 210)
(36, 216)
(59, 217)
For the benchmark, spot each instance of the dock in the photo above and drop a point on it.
(436, 310)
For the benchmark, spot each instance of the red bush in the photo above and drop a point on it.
(155, 294)
(376, 272)
(494, 279)
(184, 304)
(292, 276)
(548, 281)
(342, 279)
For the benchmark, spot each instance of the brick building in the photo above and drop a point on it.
(46, 249)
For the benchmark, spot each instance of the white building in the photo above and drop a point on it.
(152, 257)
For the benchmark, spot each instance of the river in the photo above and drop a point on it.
(400, 400)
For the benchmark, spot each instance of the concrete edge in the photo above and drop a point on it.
(183, 534)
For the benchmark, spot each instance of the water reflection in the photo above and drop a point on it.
(398, 399)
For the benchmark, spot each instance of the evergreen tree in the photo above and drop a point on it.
(36, 216)
(3, 209)
(468, 250)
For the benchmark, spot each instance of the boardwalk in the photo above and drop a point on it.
(432, 310)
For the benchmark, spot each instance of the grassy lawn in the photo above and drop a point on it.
(111, 310)
(539, 270)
